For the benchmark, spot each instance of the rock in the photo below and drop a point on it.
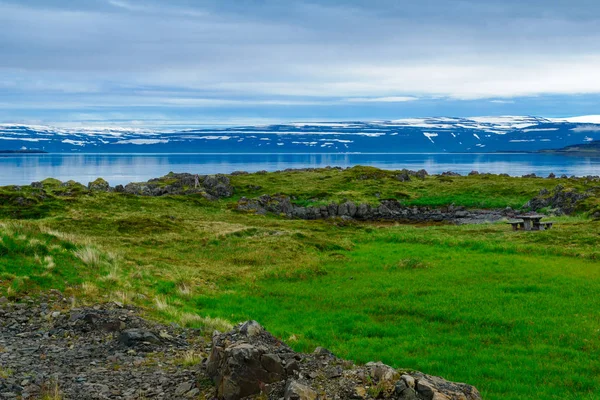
(272, 363)
(404, 176)
(409, 380)
(183, 388)
(434, 388)
(237, 370)
(292, 367)
(389, 209)
(73, 353)
(561, 200)
(321, 351)
(425, 390)
(421, 174)
(132, 337)
(381, 372)
(298, 391)
(360, 392)
(217, 185)
(405, 392)
(211, 187)
(473, 173)
(99, 185)
(251, 328)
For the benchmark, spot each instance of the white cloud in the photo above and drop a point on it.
(142, 141)
(586, 128)
(391, 99)
(229, 54)
(590, 119)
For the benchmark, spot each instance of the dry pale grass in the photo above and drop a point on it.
(121, 296)
(189, 358)
(161, 303)
(89, 289)
(67, 237)
(184, 289)
(49, 262)
(34, 242)
(89, 255)
(113, 275)
(208, 323)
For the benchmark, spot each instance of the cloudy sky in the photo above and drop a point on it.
(237, 61)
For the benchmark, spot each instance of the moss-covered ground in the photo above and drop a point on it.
(516, 314)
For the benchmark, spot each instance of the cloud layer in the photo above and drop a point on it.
(263, 54)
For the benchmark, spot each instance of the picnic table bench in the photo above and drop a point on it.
(530, 223)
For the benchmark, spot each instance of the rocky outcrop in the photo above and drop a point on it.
(559, 200)
(211, 186)
(249, 361)
(99, 185)
(386, 210)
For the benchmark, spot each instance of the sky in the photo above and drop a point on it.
(145, 62)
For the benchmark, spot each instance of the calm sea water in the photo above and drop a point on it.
(125, 168)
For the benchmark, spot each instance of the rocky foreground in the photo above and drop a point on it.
(50, 350)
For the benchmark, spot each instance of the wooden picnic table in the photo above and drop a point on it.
(530, 223)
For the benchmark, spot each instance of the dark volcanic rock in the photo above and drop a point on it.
(99, 185)
(131, 337)
(389, 209)
(450, 173)
(50, 348)
(560, 200)
(238, 368)
(210, 186)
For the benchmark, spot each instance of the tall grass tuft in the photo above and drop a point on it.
(89, 255)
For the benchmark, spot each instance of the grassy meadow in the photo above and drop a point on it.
(517, 314)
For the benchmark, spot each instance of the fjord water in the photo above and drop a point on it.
(125, 168)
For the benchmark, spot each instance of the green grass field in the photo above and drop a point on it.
(517, 314)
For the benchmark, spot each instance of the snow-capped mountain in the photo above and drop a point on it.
(419, 135)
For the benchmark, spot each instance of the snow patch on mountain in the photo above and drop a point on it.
(430, 136)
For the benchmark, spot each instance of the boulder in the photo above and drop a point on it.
(132, 337)
(421, 174)
(404, 176)
(99, 185)
(243, 361)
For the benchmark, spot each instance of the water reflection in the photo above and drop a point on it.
(124, 168)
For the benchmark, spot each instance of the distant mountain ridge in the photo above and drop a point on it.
(591, 148)
(414, 135)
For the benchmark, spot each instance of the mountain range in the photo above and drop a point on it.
(415, 135)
